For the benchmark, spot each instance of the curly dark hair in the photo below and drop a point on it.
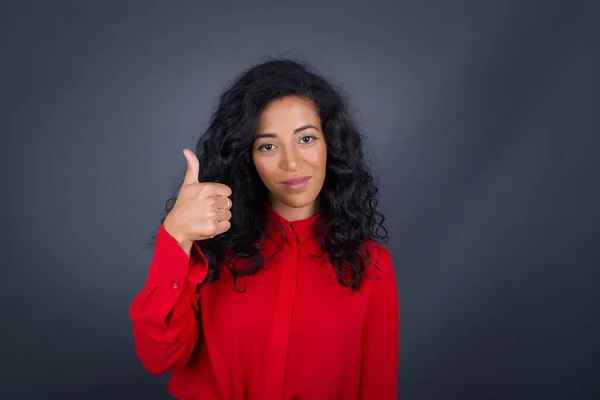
(348, 200)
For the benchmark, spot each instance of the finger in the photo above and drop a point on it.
(218, 189)
(224, 203)
(222, 227)
(220, 202)
(223, 215)
(193, 167)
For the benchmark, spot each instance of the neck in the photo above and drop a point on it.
(294, 213)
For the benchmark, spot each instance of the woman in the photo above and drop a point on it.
(268, 279)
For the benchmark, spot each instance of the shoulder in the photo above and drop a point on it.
(380, 260)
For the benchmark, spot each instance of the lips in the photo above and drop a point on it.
(297, 180)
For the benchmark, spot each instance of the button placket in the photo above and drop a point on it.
(292, 233)
(280, 334)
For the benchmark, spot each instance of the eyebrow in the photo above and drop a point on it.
(297, 130)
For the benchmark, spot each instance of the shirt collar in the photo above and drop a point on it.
(303, 228)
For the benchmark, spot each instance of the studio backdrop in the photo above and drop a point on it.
(483, 130)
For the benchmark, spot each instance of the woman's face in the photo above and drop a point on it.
(290, 155)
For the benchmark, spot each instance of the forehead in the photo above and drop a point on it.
(288, 112)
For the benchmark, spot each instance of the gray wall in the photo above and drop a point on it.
(482, 118)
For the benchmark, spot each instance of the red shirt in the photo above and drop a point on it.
(295, 333)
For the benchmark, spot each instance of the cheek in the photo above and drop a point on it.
(264, 169)
(319, 158)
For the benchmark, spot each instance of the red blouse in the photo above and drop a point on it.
(295, 333)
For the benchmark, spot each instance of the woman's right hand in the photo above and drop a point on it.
(201, 210)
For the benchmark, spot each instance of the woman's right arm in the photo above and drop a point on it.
(165, 311)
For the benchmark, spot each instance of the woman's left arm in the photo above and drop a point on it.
(381, 336)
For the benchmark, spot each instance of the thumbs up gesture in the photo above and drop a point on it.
(201, 210)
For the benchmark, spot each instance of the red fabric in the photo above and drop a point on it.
(295, 333)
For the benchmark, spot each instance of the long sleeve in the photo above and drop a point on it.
(380, 336)
(164, 312)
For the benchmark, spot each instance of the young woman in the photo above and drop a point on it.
(269, 279)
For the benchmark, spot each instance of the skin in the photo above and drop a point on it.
(290, 143)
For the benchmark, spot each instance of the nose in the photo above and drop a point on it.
(289, 161)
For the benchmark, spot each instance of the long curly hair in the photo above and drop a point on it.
(348, 200)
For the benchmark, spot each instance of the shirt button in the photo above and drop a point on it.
(290, 227)
(175, 286)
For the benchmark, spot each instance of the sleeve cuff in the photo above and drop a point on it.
(171, 267)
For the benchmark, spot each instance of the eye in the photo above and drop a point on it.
(266, 147)
(311, 139)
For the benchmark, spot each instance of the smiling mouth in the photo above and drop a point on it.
(296, 183)
(297, 180)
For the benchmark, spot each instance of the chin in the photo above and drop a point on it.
(299, 201)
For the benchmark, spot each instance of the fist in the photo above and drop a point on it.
(201, 210)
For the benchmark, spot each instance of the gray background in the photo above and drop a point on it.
(482, 117)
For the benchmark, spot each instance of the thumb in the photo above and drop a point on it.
(193, 167)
